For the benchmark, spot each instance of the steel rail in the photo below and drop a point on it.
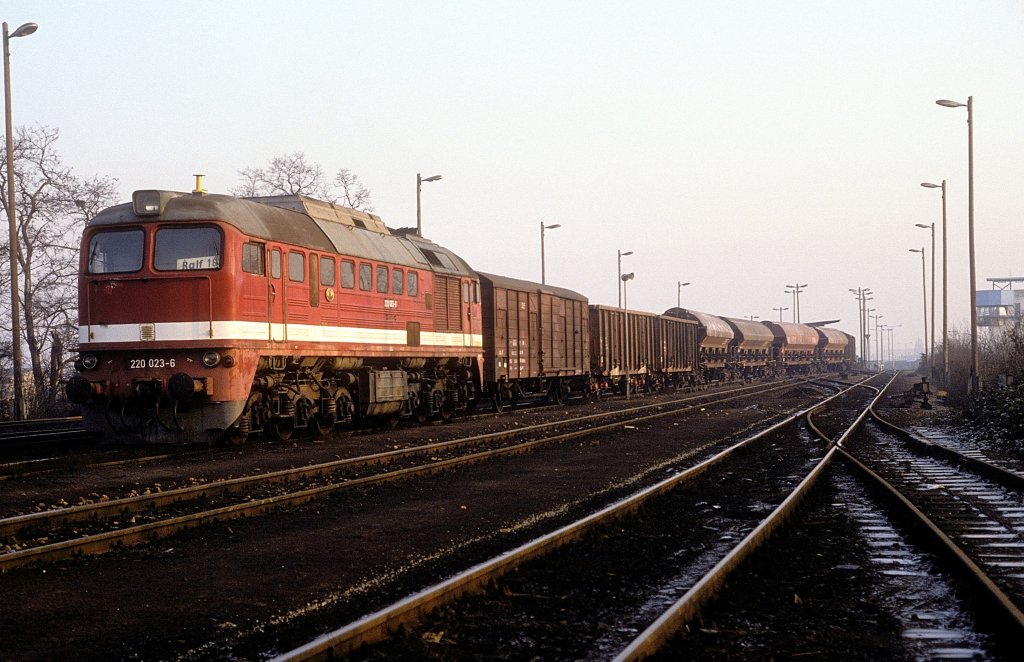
(689, 605)
(132, 535)
(378, 626)
(1002, 475)
(987, 589)
(145, 502)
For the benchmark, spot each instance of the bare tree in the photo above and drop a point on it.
(353, 193)
(53, 206)
(292, 174)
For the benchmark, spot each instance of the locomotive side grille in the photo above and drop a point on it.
(147, 332)
(447, 310)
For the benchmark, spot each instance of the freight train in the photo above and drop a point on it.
(206, 316)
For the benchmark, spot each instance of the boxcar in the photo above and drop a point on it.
(676, 347)
(611, 357)
(535, 339)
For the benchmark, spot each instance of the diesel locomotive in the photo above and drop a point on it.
(205, 316)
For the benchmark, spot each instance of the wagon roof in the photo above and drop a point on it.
(832, 338)
(716, 327)
(752, 334)
(528, 286)
(795, 335)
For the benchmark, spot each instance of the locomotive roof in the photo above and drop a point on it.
(529, 286)
(300, 221)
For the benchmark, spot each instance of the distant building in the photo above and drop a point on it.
(1002, 304)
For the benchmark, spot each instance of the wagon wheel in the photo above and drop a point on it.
(502, 398)
(560, 391)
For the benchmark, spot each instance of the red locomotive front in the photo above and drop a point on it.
(204, 314)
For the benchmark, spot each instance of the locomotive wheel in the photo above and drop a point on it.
(236, 437)
(282, 429)
(345, 407)
(323, 424)
(448, 407)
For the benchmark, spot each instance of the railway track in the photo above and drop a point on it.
(97, 527)
(971, 509)
(579, 569)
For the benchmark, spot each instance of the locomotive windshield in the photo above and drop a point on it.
(187, 249)
(118, 251)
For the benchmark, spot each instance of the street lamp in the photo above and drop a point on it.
(796, 290)
(19, 403)
(542, 229)
(931, 347)
(679, 293)
(780, 309)
(619, 284)
(945, 300)
(878, 343)
(862, 302)
(752, 317)
(624, 278)
(892, 354)
(419, 185)
(975, 364)
(924, 296)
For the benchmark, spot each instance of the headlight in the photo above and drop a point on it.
(89, 361)
(211, 359)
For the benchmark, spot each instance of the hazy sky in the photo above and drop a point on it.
(738, 145)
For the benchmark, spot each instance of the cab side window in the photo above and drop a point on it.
(254, 258)
(296, 266)
(348, 274)
(365, 277)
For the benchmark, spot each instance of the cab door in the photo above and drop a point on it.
(277, 296)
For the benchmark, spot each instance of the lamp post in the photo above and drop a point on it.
(867, 332)
(924, 296)
(624, 278)
(945, 300)
(619, 284)
(679, 293)
(419, 186)
(892, 351)
(931, 346)
(12, 223)
(975, 364)
(780, 309)
(752, 317)
(542, 229)
(796, 289)
(862, 293)
(878, 343)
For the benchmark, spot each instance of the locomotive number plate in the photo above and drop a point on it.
(138, 364)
